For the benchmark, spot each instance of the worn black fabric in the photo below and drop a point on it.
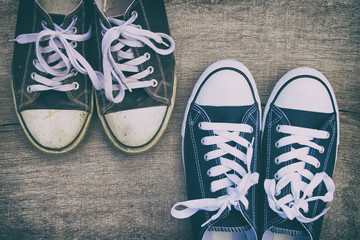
(30, 18)
(151, 16)
(322, 121)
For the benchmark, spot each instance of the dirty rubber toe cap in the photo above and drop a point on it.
(54, 129)
(136, 127)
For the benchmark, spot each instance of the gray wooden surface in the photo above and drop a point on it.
(98, 192)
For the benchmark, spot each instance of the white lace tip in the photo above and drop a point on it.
(165, 44)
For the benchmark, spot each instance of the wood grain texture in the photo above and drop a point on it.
(98, 192)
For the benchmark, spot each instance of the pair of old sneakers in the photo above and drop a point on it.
(68, 53)
(252, 180)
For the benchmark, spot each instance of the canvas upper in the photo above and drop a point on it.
(303, 102)
(225, 94)
(149, 108)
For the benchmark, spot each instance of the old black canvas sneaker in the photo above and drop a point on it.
(300, 141)
(51, 87)
(135, 55)
(220, 145)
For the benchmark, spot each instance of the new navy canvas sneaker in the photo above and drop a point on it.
(220, 135)
(300, 140)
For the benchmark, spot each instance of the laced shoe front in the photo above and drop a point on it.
(220, 150)
(136, 59)
(300, 140)
(51, 88)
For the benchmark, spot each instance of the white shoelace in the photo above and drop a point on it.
(62, 60)
(301, 192)
(116, 40)
(236, 187)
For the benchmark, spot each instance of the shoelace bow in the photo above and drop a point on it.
(301, 192)
(120, 40)
(236, 187)
(62, 60)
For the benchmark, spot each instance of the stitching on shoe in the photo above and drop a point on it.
(159, 62)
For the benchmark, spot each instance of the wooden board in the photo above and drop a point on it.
(97, 191)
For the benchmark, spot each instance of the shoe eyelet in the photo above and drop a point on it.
(75, 18)
(34, 62)
(76, 85)
(74, 43)
(278, 128)
(103, 32)
(202, 141)
(74, 72)
(151, 69)
(32, 76)
(74, 30)
(327, 135)
(44, 24)
(139, 26)
(317, 165)
(277, 207)
(205, 157)
(251, 129)
(277, 145)
(28, 89)
(147, 55)
(154, 83)
(200, 125)
(276, 176)
(322, 150)
(208, 173)
(135, 13)
(277, 161)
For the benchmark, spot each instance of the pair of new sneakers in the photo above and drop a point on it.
(67, 52)
(247, 180)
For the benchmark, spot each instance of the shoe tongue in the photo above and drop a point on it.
(234, 222)
(226, 114)
(298, 229)
(57, 18)
(306, 119)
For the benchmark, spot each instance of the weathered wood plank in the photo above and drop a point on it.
(96, 191)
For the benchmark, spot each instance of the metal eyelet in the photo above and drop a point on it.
(151, 69)
(103, 32)
(43, 23)
(74, 72)
(205, 157)
(32, 76)
(327, 135)
(277, 145)
(147, 55)
(317, 165)
(76, 85)
(202, 141)
(75, 18)
(276, 176)
(28, 89)
(154, 83)
(34, 62)
(209, 173)
(251, 129)
(135, 13)
(278, 128)
(277, 161)
(322, 150)
(199, 125)
(74, 30)
(74, 44)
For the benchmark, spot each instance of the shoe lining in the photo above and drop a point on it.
(113, 8)
(59, 7)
